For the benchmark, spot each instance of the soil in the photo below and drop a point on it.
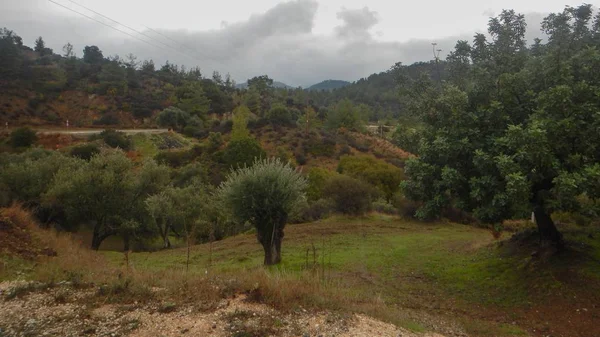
(65, 311)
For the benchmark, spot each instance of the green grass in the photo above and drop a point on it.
(144, 145)
(401, 263)
(13, 267)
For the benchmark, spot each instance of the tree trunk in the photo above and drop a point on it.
(96, 241)
(126, 242)
(268, 253)
(98, 237)
(547, 229)
(277, 246)
(165, 237)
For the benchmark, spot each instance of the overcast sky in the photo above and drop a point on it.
(299, 42)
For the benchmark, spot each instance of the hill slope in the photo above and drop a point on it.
(276, 84)
(329, 85)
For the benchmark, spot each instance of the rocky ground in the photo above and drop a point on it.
(30, 309)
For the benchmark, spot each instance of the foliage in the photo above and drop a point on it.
(116, 139)
(279, 115)
(407, 137)
(383, 176)
(243, 152)
(383, 206)
(264, 195)
(345, 115)
(173, 118)
(106, 193)
(22, 137)
(27, 176)
(215, 141)
(351, 196)
(177, 210)
(240, 123)
(317, 180)
(92, 55)
(520, 135)
(85, 151)
(174, 158)
(193, 100)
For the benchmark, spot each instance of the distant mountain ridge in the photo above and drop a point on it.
(276, 84)
(329, 85)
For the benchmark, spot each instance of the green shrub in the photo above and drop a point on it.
(107, 119)
(300, 158)
(351, 196)
(174, 158)
(322, 148)
(85, 151)
(192, 131)
(279, 115)
(319, 209)
(243, 152)
(384, 176)
(345, 150)
(382, 206)
(116, 139)
(22, 137)
(215, 140)
(317, 179)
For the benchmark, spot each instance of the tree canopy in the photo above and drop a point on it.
(264, 195)
(517, 130)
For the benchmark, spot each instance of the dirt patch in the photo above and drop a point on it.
(65, 311)
(16, 237)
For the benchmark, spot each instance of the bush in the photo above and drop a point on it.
(257, 124)
(384, 207)
(300, 158)
(22, 137)
(322, 148)
(406, 207)
(384, 176)
(279, 115)
(243, 152)
(85, 151)
(317, 179)
(319, 209)
(192, 131)
(345, 150)
(215, 140)
(351, 196)
(223, 127)
(174, 158)
(107, 119)
(116, 139)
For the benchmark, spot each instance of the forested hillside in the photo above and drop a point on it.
(455, 197)
(328, 85)
(45, 87)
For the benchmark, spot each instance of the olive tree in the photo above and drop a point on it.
(264, 195)
(107, 193)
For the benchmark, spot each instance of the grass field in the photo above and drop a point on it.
(414, 274)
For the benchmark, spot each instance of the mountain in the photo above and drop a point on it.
(276, 84)
(329, 85)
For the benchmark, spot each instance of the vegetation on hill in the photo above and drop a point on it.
(497, 131)
(514, 129)
(329, 85)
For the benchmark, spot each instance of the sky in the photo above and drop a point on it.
(298, 42)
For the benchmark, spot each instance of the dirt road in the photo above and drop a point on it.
(89, 132)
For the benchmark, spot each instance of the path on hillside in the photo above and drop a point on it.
(89, 132)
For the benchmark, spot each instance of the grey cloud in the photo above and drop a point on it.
(356, 22)
(279, 42)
